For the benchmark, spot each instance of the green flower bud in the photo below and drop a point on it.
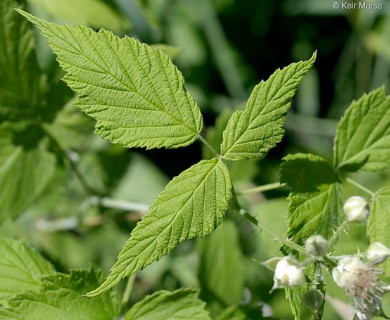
(316, 245)
(356, 209)
(377, 253)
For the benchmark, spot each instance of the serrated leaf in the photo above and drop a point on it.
(257, 129)
(134, 91)
(221, 269)
(19, 72)
(362, 140)
(192, 205)
(379, 221)
(21, 268)
(176, 305)
(61, 298)
(317, 212)
(305, 172)
(25, 170)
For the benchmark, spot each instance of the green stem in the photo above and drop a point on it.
(358, 185)
(332, 241)
(265, 187)
(119, 204)
(204, 141)
(292, 245)
(84, 184)
(127, 292)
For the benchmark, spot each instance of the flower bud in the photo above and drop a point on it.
(288, 273)
(314, 299)
(316, 245)
(377, 253)
(356, 209)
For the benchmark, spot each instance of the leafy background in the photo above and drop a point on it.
(224, 48)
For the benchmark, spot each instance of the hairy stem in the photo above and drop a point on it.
(262, 188)
(358, 185)
(204, 141)
(332, 241)
(292, 245)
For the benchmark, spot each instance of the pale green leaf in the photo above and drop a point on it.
(19, 72)
(379, 221)
(305, 172)
(176, 305)
(61, 298)
(294, 296)
(221, 268)
(94, 13)
(257, 129)
(25, 170)
(192, 204)
(21, 268)
(317, 212)
(362, 140)
(134, 91)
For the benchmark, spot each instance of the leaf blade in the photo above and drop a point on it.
(317, 212)
(21, 268)
(257, 129)
(134, 91)
(192, 204)
(61, 298)
(176, 305)
(378, 221)
(362, 139)
(20, 75)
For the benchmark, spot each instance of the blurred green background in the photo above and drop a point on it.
(223, 48)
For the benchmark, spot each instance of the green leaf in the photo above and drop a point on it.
(21, 268)
(192, 204)
(19, 72)
(134, 91)
(362, 140)
(61, 298)
(317, 212)
(25, 169)
(221, 269)
(176, 305)
(379, 221)
(294, 296)
(257, 129)
(305, 172)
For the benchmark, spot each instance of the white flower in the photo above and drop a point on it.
(288, 273)
(377, 253)
(356, 209)
(361, 282)
(316, 245)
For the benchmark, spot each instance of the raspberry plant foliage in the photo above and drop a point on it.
(138, 99)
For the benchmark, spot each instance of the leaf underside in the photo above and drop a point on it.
(192, 205)
(134, 91)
